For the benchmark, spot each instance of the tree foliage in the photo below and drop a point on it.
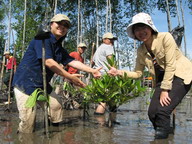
(2, 27)
(35, 14)
(190, 5)
(161, 5)
(39, 10)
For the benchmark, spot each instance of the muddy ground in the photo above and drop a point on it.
(131, 126)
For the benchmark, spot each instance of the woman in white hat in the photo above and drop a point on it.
(170, 69)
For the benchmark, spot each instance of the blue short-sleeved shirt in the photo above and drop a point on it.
(28, 75)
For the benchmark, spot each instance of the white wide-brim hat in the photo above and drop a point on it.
(140, 18)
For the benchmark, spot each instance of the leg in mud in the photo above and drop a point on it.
(26, 115)
(27, 138)
(6, 79)
(100, 110)
(55, 108)
(160, 115)
(72, 98)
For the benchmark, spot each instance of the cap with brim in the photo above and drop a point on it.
(61, 17)
(109, 35)
(140, 18)
(82, 45)
(6, 53)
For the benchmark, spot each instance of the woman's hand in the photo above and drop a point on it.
(164, 98)
(113, 71)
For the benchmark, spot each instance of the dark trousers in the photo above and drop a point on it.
(6, 78)
(159, 115)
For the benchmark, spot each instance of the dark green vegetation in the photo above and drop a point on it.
(37, 10)
(114, 91)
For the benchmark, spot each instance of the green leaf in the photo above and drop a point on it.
(100, 84)
(115, 90)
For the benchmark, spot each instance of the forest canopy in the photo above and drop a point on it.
(90, 19)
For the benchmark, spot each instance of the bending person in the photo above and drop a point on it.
(171, 70)
(28, 76)
(104, 51)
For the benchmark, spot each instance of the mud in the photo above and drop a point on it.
(130, 126)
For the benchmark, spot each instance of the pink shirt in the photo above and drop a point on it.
(9, 62)
(78, 57)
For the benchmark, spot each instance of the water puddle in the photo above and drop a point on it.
(131, 126)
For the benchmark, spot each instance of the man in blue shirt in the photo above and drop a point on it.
(28, 76)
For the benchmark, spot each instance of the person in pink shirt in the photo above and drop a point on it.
(10, 60)
(11, 63)
(77, 56)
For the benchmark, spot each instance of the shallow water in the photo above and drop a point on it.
(131, 126)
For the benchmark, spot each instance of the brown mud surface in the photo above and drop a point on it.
(131, 126)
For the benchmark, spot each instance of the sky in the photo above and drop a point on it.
(160, 21)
